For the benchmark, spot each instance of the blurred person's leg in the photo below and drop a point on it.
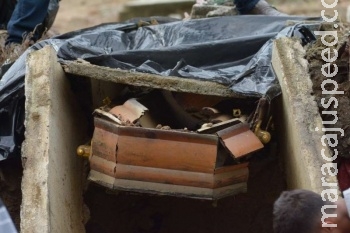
(256, 7)
(28, 14)
(51, 13)
(245, 6)
(6, 9)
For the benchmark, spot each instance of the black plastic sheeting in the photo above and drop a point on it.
(6, 223)
(234, 51)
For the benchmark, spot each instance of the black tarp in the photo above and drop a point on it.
(6, 223)
(235, 51)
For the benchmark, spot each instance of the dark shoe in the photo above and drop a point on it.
(263, 8)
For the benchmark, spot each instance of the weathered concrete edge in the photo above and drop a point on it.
(52, 177)
(303, 159)
(35, 201)
(169, 83)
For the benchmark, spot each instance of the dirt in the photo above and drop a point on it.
(338, 121)
(310, 7)
(80, 14)
(341, 78)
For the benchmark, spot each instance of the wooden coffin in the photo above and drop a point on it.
(165, 162)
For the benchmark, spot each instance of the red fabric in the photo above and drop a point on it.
(344, 174)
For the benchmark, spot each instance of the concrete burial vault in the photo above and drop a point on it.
(53, 176)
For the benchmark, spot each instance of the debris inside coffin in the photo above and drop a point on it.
(175, 144)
